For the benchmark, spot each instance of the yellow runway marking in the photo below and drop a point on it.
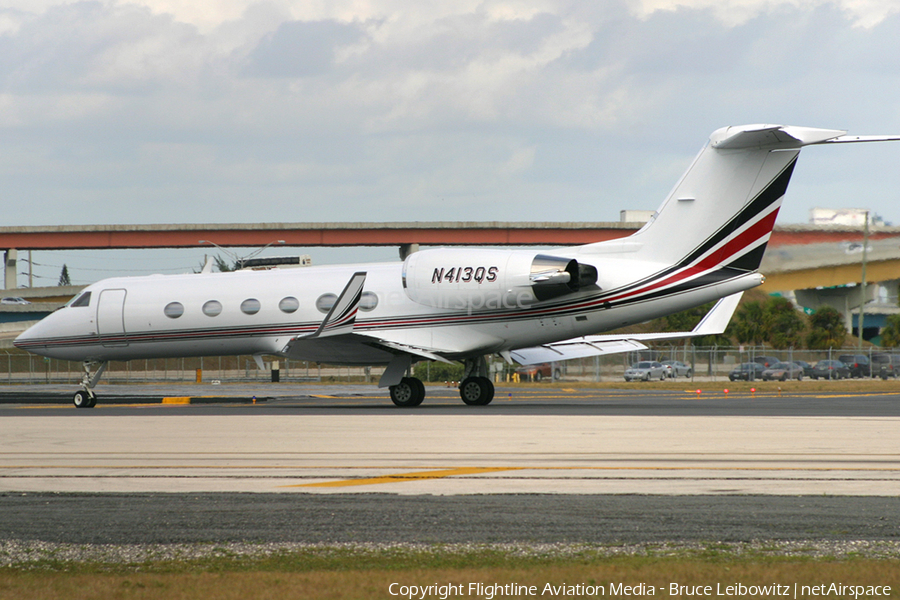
(417, 476)
(177, 400)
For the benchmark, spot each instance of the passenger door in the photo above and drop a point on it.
(111, 318)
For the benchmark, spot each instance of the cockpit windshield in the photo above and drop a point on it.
(82, 300)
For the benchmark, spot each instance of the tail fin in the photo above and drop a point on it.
(721, 214)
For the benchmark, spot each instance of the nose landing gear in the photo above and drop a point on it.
(85, 397)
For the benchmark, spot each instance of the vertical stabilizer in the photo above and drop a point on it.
(723, 210)
(716, 222)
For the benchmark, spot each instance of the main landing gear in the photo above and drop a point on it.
(85, 397)
(408, 393)
(476, 389)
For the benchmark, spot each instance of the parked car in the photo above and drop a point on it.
(766, 361)
(676, 368)
(857, 363)
(807, 368)
(830, 369)
(885, 365)
(14, 301)
(749, 371)
(645, 371)
(783, 371)
(537, 372)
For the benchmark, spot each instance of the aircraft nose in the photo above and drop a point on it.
(24, 339)
(35, 338)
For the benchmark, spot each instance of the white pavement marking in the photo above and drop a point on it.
(465, 454)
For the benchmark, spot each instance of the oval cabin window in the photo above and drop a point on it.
(368, 301)
(289, 304)
(173, 310)
(250, 306)
(325, 302)
(213, 308)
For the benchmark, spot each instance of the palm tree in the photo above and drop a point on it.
(826, 329)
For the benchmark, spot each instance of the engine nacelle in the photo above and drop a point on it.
(462, 278)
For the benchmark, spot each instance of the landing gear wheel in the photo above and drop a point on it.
(408, 393)
(476, 391)
(84, 399)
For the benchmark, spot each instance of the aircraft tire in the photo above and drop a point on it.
(83, 399)
(476, 391)
(408, 393)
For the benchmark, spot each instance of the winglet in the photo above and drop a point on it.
(342, 316)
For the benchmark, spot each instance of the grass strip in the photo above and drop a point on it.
(375, 571)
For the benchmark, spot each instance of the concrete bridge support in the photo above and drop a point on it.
(9, 272)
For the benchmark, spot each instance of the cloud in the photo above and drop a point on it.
(861, 13)
(301, 49)
(387, 111)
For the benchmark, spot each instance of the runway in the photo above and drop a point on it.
(541, 442)
(342, 464)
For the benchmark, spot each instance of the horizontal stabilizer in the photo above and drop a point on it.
(785, 136)
(714, 323)
(853, 139)
(574, 348)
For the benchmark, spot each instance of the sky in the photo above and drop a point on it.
(164, 111)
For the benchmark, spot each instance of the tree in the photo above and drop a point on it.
(774, 321)
(223, 266)
(438, 371)
(64, 279)
(686, 320)
(786, 324)
(826, 329)
(750, 324)
(890, 335)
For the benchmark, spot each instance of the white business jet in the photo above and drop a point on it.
(704, 243)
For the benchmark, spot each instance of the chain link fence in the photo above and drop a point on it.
(710, 363)
(707, 363)
(29, 368)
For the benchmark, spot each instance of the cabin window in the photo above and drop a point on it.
(213, 308)
(82, 300)
(368, 301)
(289, 304)
(174, 310)
(250, 306)
(325, 302)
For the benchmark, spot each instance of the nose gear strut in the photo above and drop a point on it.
(85, 397)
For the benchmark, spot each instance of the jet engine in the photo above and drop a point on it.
(461, 278)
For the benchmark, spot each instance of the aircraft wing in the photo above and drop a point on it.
(714, 323)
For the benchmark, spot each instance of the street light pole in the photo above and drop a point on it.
(862, 302)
